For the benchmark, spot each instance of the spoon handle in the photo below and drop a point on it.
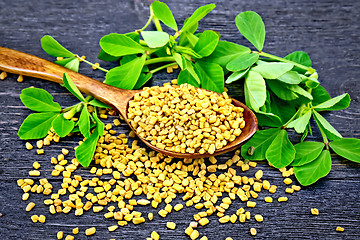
(13, 61)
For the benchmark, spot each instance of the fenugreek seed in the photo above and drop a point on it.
(69, 237)
(253, 231)
(138, 220)
(112, 228)
(194, 224)
(25, 196)
(143, 202)
(268, 199)
(250, 204)
(90, 231)
(28, 146)
(272, 189)
(154, 235)
(34, 173)
(30, 206)
(296, 188)
(60, 235)
(34, 218)
(203, 221)
(259, 174)
(204, 238)
(314, 211)
(233, 218)
(282, 199)
(40, 151)
(189, 230)
(289, 190)
(42, 218)
(178, 207)
(95, 66)
(251, 151)
(150, 216)
(340, 229)
(194, 235)
(224, 219)
(288, 181)
(170, 225)
(258, 218)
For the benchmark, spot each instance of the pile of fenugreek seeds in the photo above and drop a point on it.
(185, 119)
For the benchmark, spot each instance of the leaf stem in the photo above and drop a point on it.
(92, 64)
(157, 24)
(292, 118)
(326, 141)
(310, 70)
(147, 24)
(162, 67)
(160, 59)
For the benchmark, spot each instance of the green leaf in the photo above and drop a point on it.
(62, 126)
(307, 152)
(268, 119)
(236, 76)
(39, 100)
(299, 57)
(336, 103)
(310, 82)
(164, 14)
(255, 90)
(252, 28)
(188, 51)
(242, 62)
(273, 70)
(348, 148)
(155, 39)
(329, 130)
(70, 86)
(225, 52)
(320, 95)
(207, 43)
(54, 48)
(309, 173)
(107, 57)
(199, 13)
(97, 103)
(70, 63)
(300, 123)
(186, 77)
(260, 141)
(120, 45)
(281, 108)
(281, 152)
(290, 77)
(179, 60)
(84, 122)
(211, 76)
(300, 91)
(142, 80)
(281, 90)
(36, 125)
(188, 39)
(126, 76)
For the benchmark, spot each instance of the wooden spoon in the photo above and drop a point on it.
(13, 61)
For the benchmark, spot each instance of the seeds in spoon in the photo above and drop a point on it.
(185, 119)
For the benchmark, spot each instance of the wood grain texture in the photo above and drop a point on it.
(328, 30)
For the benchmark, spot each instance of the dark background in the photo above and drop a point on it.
(327, 30)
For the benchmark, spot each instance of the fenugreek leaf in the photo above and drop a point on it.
(70, 86)
(54, 48)
(197, 16)
(281, 152)
(281, 91)
(273, 70)
(188, 51)
(268, 119)
(186, 77)
(299, 57)
(242, 62)
(336, 103)
(311, 172)
(155, 39)
(107, 57)
(97, 103)
(236, 76)
(320, 95)
(84, 122)
(118, 45)
(255, 90)
(206, 43)
(70, 63)
(188, 39)
(300, 91)
(310, 82)
(329, 130)
(164, 14)
(142, 80)
(211, 76)
(307, 152)
(39, 100)
(348, 148)
(290, 77)
(62, 126)
(126, 76)
(36, 125)
(261, 142)
(300, 123)
(252, 28)
(225, 52)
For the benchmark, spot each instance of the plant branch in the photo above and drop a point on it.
(162, 67)
(159, 60)
(91, 64)
(147, 24)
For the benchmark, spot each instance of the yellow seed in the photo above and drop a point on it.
(34, 218)
(282, 199)
(42, 218)
(259, 174)
(138, 220)
(122, 223)
(194, 235)
(155, 235)
(34, 173)
(28, 146)
(233, 218)
(258, 218)
(289, 190)
(250, 204)
(96, 65)
(288, 181)
(90, 231)
(224, 219)
(112, 228)
(143, 202)
(69, 237)
(296, 188)
(60, 235)
(272, 189)
(40, 151)
(253, 231)
(314, 211)
(171, 225)
(203, 221)
(25, 196)
(97, 208)
(20, 78)
(268, 199)
(3, 75)
(189, 230)
(178, 207)
(204, 238)
(150, 216)
(30, 206)
(340, 229)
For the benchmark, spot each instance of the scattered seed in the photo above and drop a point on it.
(253, 231)
(340, 229)
(90, 231)
(314, 211)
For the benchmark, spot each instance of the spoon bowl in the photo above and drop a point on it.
(16, 62)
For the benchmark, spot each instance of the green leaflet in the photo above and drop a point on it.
(164, 14)
(70, 86)
(290, 77)
(225, 52)
(36, 125)
(70, 63)
(207, 43)
(281, 152)
(281, 108)
(118, 45)
(54, 48)
(299, 57)
(268, 119)
(336, 103)
(329, 130)
(62, 126)
(309, 81)
(107, 57)
(255, 90)
(281, 90)
(260, 141)
(126, 76)
(199, 13)
(179, 60)
(300, 123)
(348, 148)
(155, 39)
(307, 152)
(143, 79)
(39, 100)
(252, 28)
(236, 76)
(84, 122)
(311, 172)
(320, 95)
(211, 76)
(242, 62)
(186, 77)
(97, 103)
(300, 91)
(188, 51)
(273, 70)
(188, 39)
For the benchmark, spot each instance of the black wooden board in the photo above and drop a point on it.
(328, 30)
